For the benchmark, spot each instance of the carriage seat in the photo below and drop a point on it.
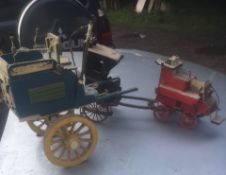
(21, 56)
(24, 68)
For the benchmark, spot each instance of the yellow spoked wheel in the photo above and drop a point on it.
(39, 126)
(70, 141)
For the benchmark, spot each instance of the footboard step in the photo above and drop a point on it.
(217, 120)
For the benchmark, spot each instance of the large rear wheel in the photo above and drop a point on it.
(70, 141)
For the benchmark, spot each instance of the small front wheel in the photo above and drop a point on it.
(162, 113)
(188, 121)
(70, 141)
(96, 112)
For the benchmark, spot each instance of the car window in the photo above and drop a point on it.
(10, 9)
(91, 5)
(84, 2)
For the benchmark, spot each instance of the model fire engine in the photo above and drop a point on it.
(180, 90)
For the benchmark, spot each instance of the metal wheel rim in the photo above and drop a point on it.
(70, 141)
(96, 113)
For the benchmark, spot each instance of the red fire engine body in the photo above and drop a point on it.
(179, 90)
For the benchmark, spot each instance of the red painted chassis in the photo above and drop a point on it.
(179, 90)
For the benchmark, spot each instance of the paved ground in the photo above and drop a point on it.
(204, 49)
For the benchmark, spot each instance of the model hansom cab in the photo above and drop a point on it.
(39, 89)
(180, 90)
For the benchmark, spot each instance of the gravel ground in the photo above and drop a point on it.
(202, 49)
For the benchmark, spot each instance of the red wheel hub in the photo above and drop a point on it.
(188, 121)
(162, 113)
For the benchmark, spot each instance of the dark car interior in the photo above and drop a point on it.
(10, 11)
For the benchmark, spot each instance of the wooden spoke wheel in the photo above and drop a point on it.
(39, 126)
(188, 121)
(70, 141)
(96, 112)
(162, 113)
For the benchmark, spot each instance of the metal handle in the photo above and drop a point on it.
(114, 94)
